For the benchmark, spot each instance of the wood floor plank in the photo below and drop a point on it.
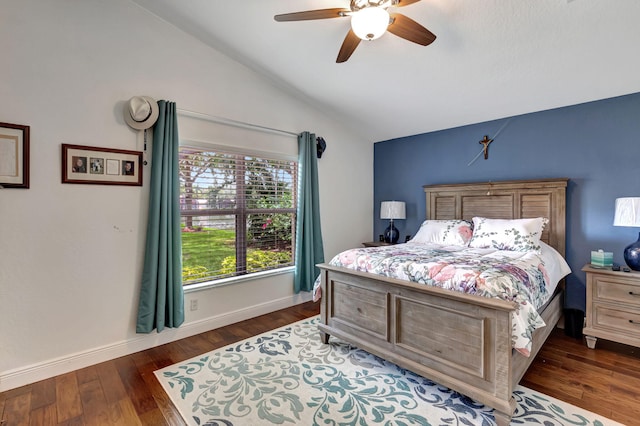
(146, 367)
(17, 410)
(173, 352)
(569, 397)
(169, 412)
(94, 403)
(567, 370)
(625, 396)
(611, 407)
(571, 374)
(629, 367)
(3, 399)
(111, 382)
(123, 413)
(231, 335)
(540, 380)
(17, 391)
(76, 421)
(152, 418)
(135, 386)
(43, 393)
(624, 419)
(144, 363)
(87, 374)
(214, 337)
(195, 345)
(576, 364)
(160, 357)
(44, 416)
(68, 397)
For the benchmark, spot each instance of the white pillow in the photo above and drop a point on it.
(508, 234)
(449, 232)
(555, 266)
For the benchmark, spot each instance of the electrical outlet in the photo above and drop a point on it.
(194, 304)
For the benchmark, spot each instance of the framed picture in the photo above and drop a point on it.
(14, 156)
(101, 166)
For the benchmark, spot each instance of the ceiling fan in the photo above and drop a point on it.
(369, 20)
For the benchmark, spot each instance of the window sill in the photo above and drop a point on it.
(234, 280)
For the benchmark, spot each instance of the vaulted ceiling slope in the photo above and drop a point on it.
(491, 58)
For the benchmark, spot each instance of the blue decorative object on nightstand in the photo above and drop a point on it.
(632, 255)
(628, 214)
(392, 210)
(391, 234)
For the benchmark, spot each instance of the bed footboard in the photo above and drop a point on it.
(460, 341)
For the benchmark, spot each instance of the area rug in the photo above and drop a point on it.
(288, 376)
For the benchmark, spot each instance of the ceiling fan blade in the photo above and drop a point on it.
(410, 30)
(312, 14)
(351, 41)
(400, 3)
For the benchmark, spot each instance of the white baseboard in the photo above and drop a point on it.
(44, 370)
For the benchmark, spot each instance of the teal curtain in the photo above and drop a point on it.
(309, 249)
(161, 301)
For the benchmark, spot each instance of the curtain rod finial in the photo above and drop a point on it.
(321, 145)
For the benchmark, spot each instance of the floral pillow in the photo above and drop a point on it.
(505, 234)
(449, 232)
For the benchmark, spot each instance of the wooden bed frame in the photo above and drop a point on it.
(460, 341)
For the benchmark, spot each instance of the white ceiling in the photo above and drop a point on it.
(491, 58)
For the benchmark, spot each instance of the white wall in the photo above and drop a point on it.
(71, 255)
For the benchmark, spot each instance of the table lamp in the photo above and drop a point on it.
(392, 210)
(628, 214)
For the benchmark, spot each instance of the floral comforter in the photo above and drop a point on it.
(508, 275)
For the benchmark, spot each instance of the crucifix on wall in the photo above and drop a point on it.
(485, 145)
(486, 141)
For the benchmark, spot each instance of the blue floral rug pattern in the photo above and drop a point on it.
(289, 377)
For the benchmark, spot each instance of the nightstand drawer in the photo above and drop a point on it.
(620, 320)
(615, 289)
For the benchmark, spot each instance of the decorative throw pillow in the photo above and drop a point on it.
(449, 232)
(504, 234)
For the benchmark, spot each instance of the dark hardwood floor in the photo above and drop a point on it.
(124, 391)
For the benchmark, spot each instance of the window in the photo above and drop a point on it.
(238, 213)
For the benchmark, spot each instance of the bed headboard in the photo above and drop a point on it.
(516, 199)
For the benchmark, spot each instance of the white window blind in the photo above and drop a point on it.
(238, 213)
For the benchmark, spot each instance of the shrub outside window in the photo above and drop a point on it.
(237, 212)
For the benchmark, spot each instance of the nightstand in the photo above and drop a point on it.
(613, 306)
(376, 244)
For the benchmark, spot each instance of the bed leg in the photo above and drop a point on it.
(502, 419)
(324, 337)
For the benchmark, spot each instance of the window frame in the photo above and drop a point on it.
(241, 225)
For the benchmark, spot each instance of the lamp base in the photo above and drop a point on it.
(391, 234)
(632, 255)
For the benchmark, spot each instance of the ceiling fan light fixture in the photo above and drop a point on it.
(370, 23)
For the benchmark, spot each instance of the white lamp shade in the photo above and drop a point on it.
(392, 210)
(627, 212)
(370, 23)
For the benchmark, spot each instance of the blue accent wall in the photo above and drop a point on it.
(596, 145)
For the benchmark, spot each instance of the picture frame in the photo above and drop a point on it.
(101, 166)
(14, 155)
